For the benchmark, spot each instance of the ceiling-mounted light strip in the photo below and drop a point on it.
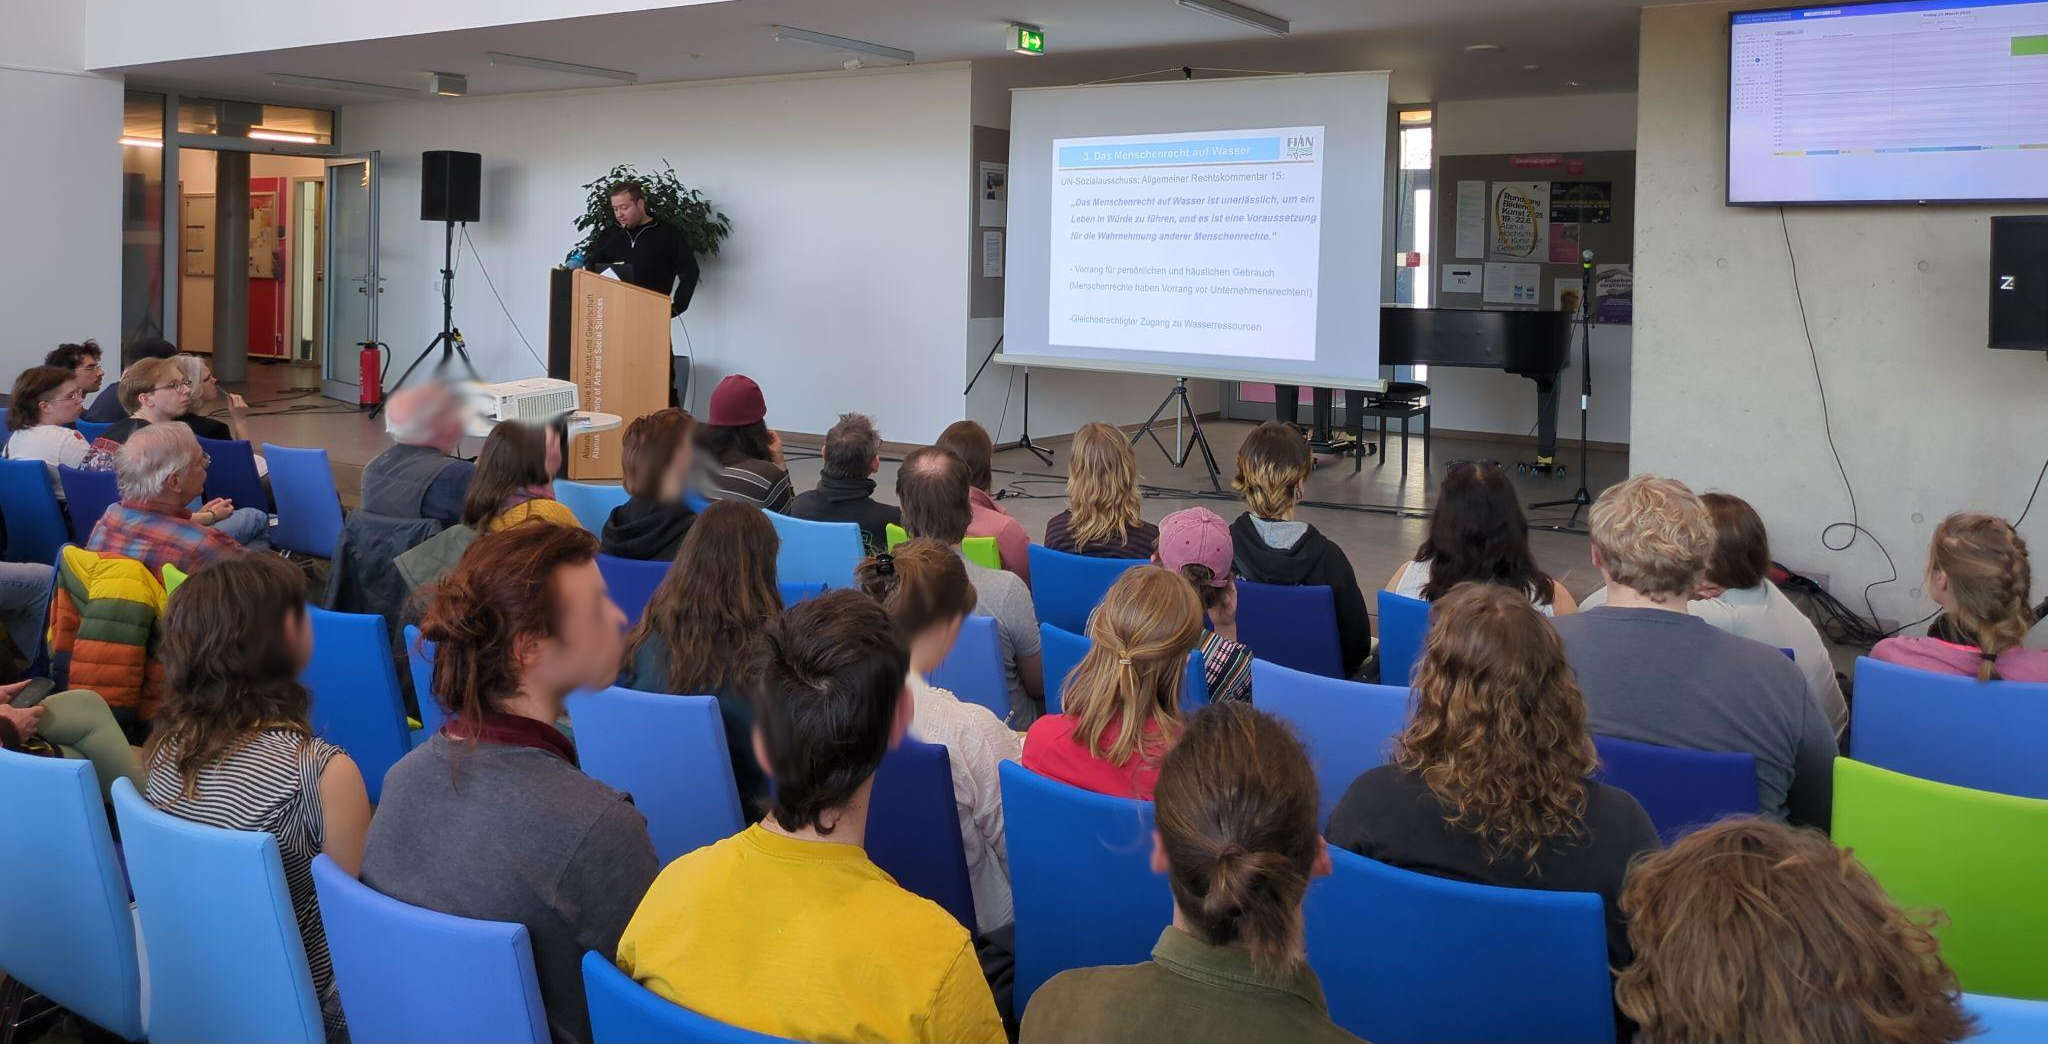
(355, 86)
(261, 134)
(143, 143)
(572, 68)
(1239, 13)
(842, 43)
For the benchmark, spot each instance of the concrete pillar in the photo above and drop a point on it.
(231, 266)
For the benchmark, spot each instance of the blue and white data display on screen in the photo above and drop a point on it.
(1895, 101)
(1203, 243)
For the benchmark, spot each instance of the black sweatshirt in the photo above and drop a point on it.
(1312, 561)
(660, 257)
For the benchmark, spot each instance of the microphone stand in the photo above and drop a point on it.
(1024, 427)
(1582, 498)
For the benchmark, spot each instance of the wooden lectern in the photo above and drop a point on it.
(611, 338)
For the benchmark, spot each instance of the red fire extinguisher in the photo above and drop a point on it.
(372, 366)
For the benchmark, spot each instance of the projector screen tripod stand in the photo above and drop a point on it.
(1182, 410)
(449, 340)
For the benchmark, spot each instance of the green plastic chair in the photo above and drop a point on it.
(1974, 855)
(979, 550)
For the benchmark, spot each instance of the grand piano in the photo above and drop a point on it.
(1528, 344)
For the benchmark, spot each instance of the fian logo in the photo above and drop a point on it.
(1301, 146)
(2005, 282)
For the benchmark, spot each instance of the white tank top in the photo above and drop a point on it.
(1415, 576)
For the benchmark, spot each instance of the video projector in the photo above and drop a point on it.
(534, 400)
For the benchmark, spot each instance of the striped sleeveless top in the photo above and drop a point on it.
(270, 784)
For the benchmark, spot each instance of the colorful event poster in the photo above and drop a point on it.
(1564, 243)
(1519, 214)
(1583, 202)
(1614, 294)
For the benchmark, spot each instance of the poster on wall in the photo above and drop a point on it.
(1565, 295)
(1461, 279)
(992, 254)
(1471, 220)
(992, 192)
(1564, 243)
(1520, 216)
(1513, 284)
(1614, 293)
(1582, 202)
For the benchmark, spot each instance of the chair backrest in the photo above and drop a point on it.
(1682, 790)
(914, 827)
(1065, 588)
(1080, 876)
(624, 1012)
(1974, 855)
(980, 550)
(1291, 626)
(408, 975)
(308, 507)
(1951, 728)
(232, 473)
(1348, 727)
(1406, 957)
(65, 930)
(591, 504)
(87, 495)
(632, 583)
(357, 704)
(419, 656)
(794, 593)
(223, 948)
(973, 671)
(1404, 622)
(669, 753)
(1060, 651)
(90, 429)
(35, 524)
(2007, 1020)
(816, 552)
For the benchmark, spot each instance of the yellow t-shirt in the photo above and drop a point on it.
(807, 940)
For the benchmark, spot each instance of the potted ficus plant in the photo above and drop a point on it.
(668, 200)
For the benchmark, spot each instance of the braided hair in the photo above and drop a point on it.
(1985, 561)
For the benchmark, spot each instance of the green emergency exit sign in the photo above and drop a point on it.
(1026, 40)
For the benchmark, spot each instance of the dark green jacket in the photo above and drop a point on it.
(1188, 992)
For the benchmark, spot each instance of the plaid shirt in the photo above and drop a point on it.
(155, 535)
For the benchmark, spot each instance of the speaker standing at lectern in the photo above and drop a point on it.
(648, 254)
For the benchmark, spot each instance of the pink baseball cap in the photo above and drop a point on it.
(1197, 536)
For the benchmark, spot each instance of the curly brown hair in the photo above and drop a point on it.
(1499, 729)
(1752, 930)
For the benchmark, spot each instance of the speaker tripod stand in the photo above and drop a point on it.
(1182, 410)
(449, 340)
(1581, 498)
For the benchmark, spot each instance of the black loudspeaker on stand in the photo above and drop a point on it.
(450, 192)
(1582, 497)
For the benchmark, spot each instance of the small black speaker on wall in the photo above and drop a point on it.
(451, 186)
(2019, 283)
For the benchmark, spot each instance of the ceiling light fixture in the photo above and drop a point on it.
(1272, 25)
(260, 134)
(328, 84)
(448, 85)
(143, 143)
(572, 68)
(1532, 67)
(1481, 48)
(841, 43)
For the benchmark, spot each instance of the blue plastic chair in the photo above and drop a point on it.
(225, 958)
(1291, 626)
(87, 496)
(1404, 623)
(632, 582)
(35, 523)
(1406, 957)
(1065, 588)
(914, 828)
(90, 429)
(794, 593)
(1951, 728)
(1060, 651)
(68, 934)
(232, 473)
(973, 671)
(669, 753)
(591, 504)
(308, 508)
(408, 975)
(1348, 727)
(1680, 789)
(2006, 1020)
(1080, 877)
(816, 552)
(357, 704)
(419, 657)
(624, 1012)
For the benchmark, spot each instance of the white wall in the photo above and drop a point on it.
(60, 187)
(1480, 400)
(842, 287)
(1928, 420)
(135, 32)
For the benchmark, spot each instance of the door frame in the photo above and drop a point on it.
(331, 387)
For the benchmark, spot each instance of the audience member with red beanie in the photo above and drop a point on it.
(745, 457)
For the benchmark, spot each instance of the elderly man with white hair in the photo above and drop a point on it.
(418, 477)
(161, 469)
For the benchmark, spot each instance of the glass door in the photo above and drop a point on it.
(352, 283)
